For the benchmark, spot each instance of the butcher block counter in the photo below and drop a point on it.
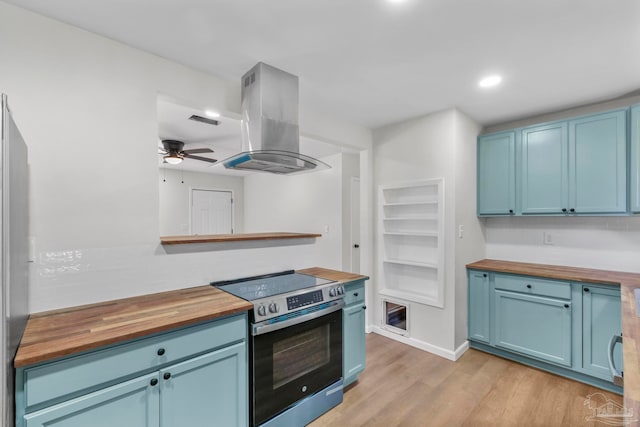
(53, 334)
(630, 322)
(58, 333)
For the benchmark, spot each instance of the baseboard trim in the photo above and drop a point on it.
(422, 345)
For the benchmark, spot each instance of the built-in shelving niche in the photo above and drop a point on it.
(411, 249)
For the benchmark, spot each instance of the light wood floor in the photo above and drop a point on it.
(404, 386)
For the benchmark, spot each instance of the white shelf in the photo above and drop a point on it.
(412, 233)
(412, 218)
(412, 263)
(426, 202)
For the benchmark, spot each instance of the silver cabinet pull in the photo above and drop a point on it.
(615, 373)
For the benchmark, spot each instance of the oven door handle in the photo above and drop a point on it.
(259, 329)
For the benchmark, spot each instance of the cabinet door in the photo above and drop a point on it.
(635, 159)
(354, 347)
(479, 306)
(601, 319)
(208, 390)
(496, 174)
(597, 163)
(535, 326)
(544, 177)
(132, 403)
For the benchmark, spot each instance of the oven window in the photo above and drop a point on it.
(300, 354)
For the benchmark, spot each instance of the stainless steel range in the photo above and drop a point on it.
(296, 346)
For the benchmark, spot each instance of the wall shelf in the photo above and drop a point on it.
(411, 230)
(240, 237)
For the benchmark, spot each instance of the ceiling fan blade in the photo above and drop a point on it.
(162, 152)
(204, 159)
(198, 150)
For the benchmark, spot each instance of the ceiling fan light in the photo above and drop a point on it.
(173, 159)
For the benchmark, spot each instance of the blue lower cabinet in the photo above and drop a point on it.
(536, 326)
(558, 326)
(206, 391)
(196, 376)
(133, 403)
(601, 315)
(353, 332)
(479, 306)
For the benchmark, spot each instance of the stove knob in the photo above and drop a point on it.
(273, 307)
(262, 310)
(340, 290)
(332, 292)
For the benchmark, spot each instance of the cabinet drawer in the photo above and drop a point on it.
(354, 292)
(87, 371)
(534, 286)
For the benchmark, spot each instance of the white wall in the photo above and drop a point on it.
(438, 145)
(175, 197)
(307, 203)
(86, 106)
(611, 243)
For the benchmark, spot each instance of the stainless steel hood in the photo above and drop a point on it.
(270, 133)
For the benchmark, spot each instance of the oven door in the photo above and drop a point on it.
(297, 361)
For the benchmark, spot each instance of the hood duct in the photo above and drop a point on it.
(270, 133)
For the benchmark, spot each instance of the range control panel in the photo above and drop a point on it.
(278, 305)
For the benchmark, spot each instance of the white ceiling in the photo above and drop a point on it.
(374, 62)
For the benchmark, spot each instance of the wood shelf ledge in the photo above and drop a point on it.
(240, 237)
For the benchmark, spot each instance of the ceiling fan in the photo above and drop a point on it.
(174, 154)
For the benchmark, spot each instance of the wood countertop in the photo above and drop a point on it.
(57, 333)
(630, 322)
(339, 276)
(52, 334)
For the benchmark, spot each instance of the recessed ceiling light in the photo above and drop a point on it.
(396, 1)
(212, 114)
(490, 81)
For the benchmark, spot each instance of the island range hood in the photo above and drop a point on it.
(270, 133)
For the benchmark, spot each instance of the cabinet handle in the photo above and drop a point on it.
(161, 351)
(566, 306)
(564, 209)
(484, 274)
(618, 376)
(511, 211)
(572, 210)
(528, 286)
(166, 375)
(586, 289)
(154, 382)
(355, 294)
(364, 307)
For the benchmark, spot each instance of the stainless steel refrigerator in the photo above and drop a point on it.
(14, 252)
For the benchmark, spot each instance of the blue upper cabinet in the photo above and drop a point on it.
(496, 174)
(635, 159)
(598, 163)
(544, 182)
(568, 167)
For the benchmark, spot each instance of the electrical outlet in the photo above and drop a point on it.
(547, 238)
(460, 231)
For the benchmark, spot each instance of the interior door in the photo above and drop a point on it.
(211, 212)
(355, 225)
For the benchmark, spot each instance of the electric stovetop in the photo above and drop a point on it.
(257, 287)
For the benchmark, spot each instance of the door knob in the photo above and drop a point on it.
(356, 246)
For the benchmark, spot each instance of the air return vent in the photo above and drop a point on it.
(204, 120)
